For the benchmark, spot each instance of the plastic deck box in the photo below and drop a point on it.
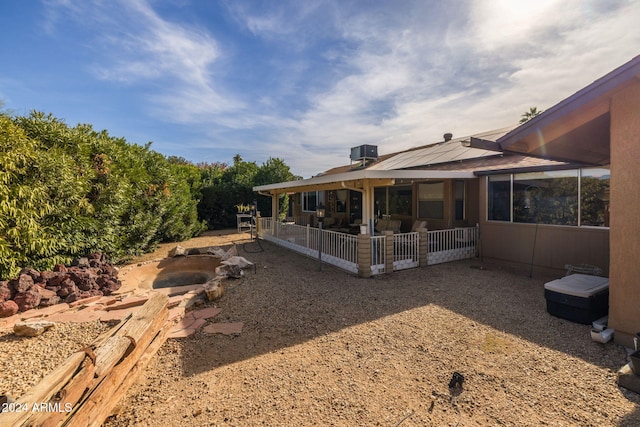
(580, 298)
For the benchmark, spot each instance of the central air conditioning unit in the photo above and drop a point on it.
(364, 152)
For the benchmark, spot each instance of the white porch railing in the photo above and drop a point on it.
(406, 250)
(338, 249)
(452, 244)
(378, 255)
(341, 249)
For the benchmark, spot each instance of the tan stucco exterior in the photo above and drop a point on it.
(624, 282)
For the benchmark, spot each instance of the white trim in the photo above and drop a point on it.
(344, 177)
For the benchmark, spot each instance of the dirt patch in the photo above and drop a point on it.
(329, 348)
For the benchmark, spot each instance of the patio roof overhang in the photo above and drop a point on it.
(358, 180)
(577, 128)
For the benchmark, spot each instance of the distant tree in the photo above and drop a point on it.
(271, 172)
(528, 115)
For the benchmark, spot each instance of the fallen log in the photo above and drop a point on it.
(142, 329)
(43, 391)
(83, 390)
(67, 397)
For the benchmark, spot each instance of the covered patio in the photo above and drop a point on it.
(355, 228)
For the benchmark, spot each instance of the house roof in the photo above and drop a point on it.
(453, 159)
(577, 128)
(454, 150)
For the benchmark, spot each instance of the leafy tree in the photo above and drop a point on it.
(272, 171)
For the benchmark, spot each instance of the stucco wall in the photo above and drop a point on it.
(624, 283)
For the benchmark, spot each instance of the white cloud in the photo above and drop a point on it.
(136, 46)
(341, 74)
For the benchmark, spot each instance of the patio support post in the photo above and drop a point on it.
(275, 206)
(364, 255)
(423, 249)
(388, 251)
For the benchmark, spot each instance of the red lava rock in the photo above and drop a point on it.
(5, 291)
(28, 299)
(8, 308)
(47, 297)
(88, 276)
(67, 287)
(35, 274)
(22, 283)
(60, 268)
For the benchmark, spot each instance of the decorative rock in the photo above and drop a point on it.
(178, 251)
(27, 300)
(81, 262)
(31, 329)
(35, 274)
(47, 296)
(59, 268)
(213, 289)
(22, 283)
(90, 276)
(8, 308)
(67, 287)
(230, 271)
(5, 291)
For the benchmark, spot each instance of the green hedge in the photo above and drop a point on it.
(69, 191)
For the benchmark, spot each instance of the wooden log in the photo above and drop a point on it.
(66, 398)
(142, 328)
(137, 370)
(44, 390)
(110, 352)
(111, 332)
(145, 318)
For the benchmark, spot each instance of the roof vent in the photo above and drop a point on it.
(448, 136)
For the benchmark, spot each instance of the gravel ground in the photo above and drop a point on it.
(329, 348)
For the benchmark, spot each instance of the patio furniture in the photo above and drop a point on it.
(388, 225)
(244, 221)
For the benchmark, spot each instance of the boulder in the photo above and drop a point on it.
(59, 268)
(5, 291)
(23, 283)
(8, 308)
(67, 287)
(230, 271)
(47, 297)
(28, 299)
(80, 262)
(213, 289)
(177, 251)
(31, 329)
(35, 274)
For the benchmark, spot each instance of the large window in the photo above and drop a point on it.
(594, 197)
(431, 200)
(571, 197)
(394, 200)
(310, 200)
(546, 197)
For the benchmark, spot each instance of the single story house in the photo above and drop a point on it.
(556, 190)
(599, 125)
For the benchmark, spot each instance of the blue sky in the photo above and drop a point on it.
(303, 80)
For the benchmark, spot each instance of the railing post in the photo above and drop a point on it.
(364, 255)
(423, 250)
(389, 255)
